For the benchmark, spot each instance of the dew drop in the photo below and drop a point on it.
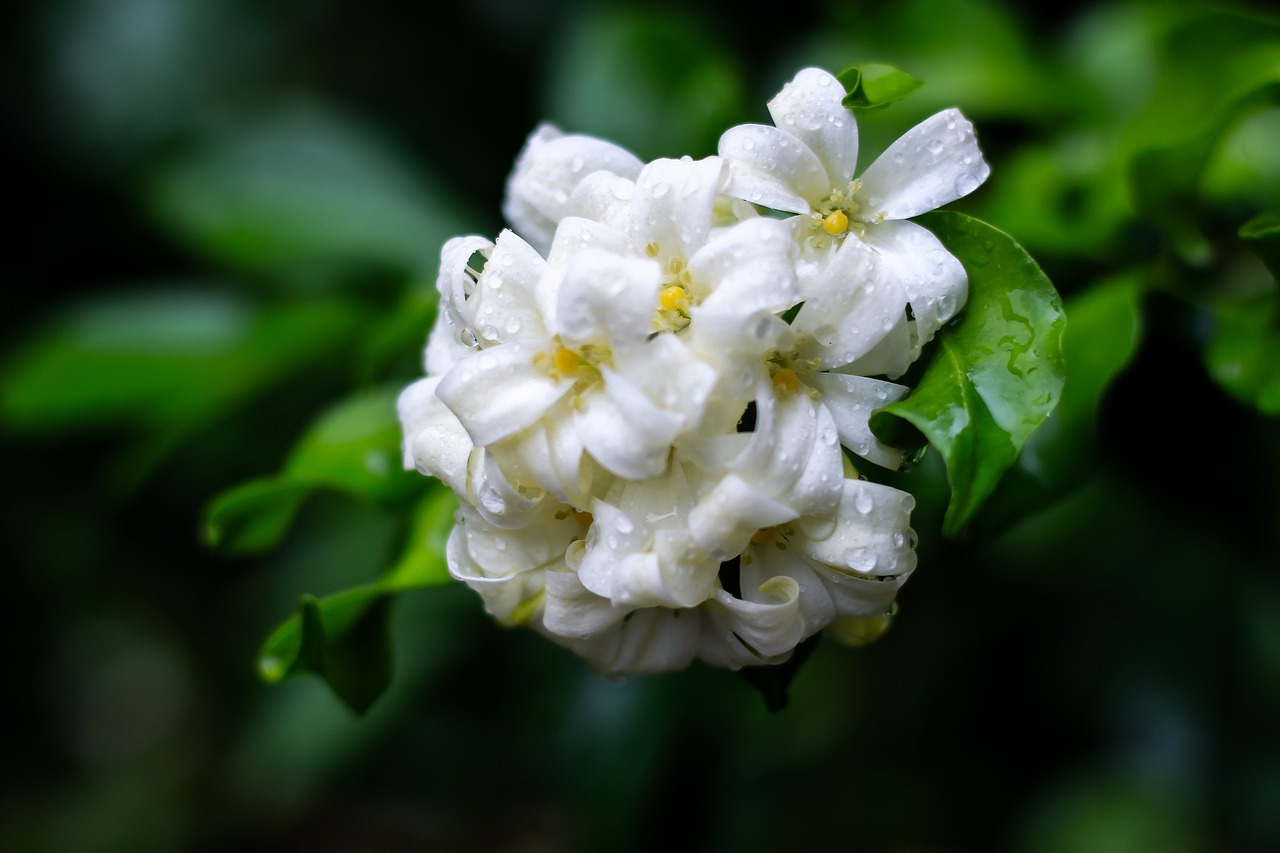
(966, 183)
(935, 146)
(864, 503)
(624, 525)
(860, 559)
(512, 325)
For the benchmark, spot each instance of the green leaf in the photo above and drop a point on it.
(1262, 235)
(303, 190)
(875, 85)
(1101, 340)
(353, 448)
(1243, 353)
(1165, 181)
(996, 373)
(344, 637)
(163, 359)
(253, 516)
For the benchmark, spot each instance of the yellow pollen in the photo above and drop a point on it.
(836, 223)
(786, 379)
(760, 537)
(566, 360)
(671, 297)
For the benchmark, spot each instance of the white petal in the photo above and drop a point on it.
(853, 305)
(434, 441)
(446, 344)
(608, 300)
(651, 640)
(748, 268)
(868, 555)
(809, 108)
(933, 280)
(551, 459)
(499, 501)
(500, 391)
(934, 163)
(503, 308)
(547, 172)
(725, 519)
(851, 400)
(772, 168)
(673, 203)
(624, 430)
(765, 561)
(738, 633)
(573, 611)
(455, 281)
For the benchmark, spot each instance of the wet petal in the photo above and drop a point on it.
(934, 163)
(772, 168)
(809, 108)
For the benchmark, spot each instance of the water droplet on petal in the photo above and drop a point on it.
(864, 503)
(935, 146)
(860, 559)
(966, 183)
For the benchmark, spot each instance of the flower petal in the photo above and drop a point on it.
(607, 300)
(546, 174)
(851, 400)
(738, 633)
(624, 430)
(747, 269)
(809, 107)
(435, 442)
(673, 203)
(933, 280)
(498, 392)
(936, 162)
(772, 168)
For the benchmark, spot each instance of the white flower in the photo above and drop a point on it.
(554, 178)
(806, 164)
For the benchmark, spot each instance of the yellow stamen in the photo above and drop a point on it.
(584, 518)
(671, 297)
(786, 379)
(566, 360)
(760, 537)
(836, 223)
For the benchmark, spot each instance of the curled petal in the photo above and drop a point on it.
(435, 442)
(607, 300)
(747, 269)
(740, 633)
(503, 306)
(654, 639)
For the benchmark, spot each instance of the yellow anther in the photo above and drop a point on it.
(671, 297)
(760, 537)
(584, 518)
(836, 223)
(786, 379)
(651, 249)
(566, 360)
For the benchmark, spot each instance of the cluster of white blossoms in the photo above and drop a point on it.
(646, 394)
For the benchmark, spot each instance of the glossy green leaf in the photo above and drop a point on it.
(164, 358)
(995, 374)
(875, 85)
(344, 637)
(353, 448)
(1099, 343)
(1262, 235)
(303, 190)
(1243, 354)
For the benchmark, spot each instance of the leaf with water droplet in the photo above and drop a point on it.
(875, 85)
(1007, 340)
(344, 637)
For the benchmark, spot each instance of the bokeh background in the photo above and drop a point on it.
(226, 222)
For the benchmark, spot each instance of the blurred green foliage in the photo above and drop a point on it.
(230, 214)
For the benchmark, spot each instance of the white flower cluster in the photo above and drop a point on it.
(642, 395)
